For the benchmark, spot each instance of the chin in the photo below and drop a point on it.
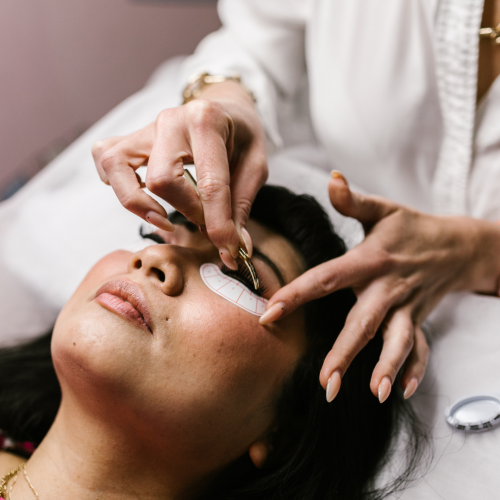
(95, 351)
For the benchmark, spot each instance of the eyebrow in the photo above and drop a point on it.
(263, 257)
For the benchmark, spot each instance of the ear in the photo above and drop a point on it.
(258, 452)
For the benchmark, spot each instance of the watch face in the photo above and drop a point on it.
(475, 413)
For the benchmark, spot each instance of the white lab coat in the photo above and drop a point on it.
(391, 92)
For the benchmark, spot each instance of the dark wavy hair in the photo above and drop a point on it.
(320, 450)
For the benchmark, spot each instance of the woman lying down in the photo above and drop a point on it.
(172, 390)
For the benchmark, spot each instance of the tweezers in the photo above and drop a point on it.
(241, 252)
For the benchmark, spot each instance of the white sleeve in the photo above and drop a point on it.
(263, 41)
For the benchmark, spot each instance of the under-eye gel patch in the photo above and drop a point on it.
(232, 290)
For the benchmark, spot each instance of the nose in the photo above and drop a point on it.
(163, 264)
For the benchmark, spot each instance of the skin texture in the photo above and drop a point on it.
(157, 414)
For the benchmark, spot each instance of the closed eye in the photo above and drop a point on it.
(151, 236)
(243, 276)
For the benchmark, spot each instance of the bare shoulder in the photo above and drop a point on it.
(8, 461)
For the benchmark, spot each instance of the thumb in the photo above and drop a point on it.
(368, 209)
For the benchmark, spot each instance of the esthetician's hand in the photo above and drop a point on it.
(406, 264)
(222, 134)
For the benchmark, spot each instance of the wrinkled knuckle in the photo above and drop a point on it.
(203, 113)
(164, 118)
(296, 299)
(219, 234)
(403, 288)
(242, 207)
(325, 283)
(259, 161)
(401, 218)
(368, 327)
(407, 338)
(157, 184)
(386, 261)
(129, 201)
(109, 160)
(211, 188)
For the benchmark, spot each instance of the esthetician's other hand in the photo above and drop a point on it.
(406, 264)
(222, 134)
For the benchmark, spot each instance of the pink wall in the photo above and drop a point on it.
(65, 63)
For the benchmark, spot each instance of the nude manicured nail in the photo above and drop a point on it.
(159, 221)
(337, 175)
(272, 314)
(411, 387)
(333, 386)
(247, 240)
(384, 389)
(225, 256)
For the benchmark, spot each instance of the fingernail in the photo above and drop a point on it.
(337, 175)
(411, 387)
(247, 240)
(225, 256)
(159, 221)
(272, 314)
(333, 386)
(234, 251)
(384, 389)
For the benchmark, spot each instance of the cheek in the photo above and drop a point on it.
(92, 348)
(89, 341)
(227, 353)
(114, 264)
(228, 367)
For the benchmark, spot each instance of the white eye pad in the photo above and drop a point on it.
(232, 290)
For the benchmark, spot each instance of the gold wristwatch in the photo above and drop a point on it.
(200, 80)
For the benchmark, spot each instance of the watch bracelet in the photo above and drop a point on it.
(200, 80)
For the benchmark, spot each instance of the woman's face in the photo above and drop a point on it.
(145, 342)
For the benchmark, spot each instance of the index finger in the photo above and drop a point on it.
(98, 149)
(349, 270)
(120, 170)
(211, 148)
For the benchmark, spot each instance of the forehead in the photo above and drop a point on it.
(278, 249)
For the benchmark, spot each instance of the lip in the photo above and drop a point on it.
(131, 303)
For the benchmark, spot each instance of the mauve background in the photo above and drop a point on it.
(65, 63)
